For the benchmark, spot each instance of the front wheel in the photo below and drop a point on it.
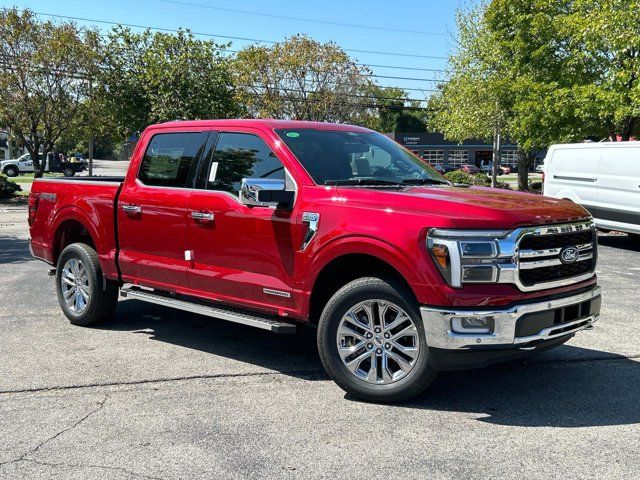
(372, 342)
(68, 172)
(82, 296)
(11, 171)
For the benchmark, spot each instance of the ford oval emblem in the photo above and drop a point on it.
(569, 255)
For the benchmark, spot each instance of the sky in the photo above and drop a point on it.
(406, 34)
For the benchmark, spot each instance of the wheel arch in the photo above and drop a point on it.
(345, 266)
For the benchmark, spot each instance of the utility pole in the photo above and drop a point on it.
(496, 157)
(91, 155)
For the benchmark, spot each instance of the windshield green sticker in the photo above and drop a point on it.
(293, 134)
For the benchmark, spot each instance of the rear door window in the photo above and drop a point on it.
(171, 158)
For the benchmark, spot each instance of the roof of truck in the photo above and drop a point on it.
(268, 123)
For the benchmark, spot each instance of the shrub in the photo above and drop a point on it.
(459, 176)
(8, 188)
(535, 187)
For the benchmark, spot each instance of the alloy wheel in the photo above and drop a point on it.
(378, 342)
(74, 283)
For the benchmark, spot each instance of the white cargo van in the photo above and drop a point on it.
(602, 177)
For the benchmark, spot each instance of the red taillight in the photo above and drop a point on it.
(34, 200)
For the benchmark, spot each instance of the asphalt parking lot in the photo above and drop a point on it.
(161, 394)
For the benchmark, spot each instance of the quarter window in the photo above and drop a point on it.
(238, 156)
(170, 157)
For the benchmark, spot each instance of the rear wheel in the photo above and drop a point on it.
(68, 172)
(372, 342)
(82, 296)
(11, 171)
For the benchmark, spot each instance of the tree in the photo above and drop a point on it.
(576, 65)
(45, 73)
(476, 100)
(156, 77)
(395, 113)
(303, 79)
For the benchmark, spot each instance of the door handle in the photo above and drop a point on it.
(202, 216)
(131, 208)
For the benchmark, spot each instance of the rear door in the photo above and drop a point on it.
(241, 254)
(619, 188)
(153, 211)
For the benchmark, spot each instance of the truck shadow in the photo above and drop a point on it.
(566, 387)
(294, 355)
(14, 250)
(623, 242)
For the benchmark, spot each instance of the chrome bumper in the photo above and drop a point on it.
(437, 324)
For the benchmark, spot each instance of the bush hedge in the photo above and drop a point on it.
(464, 178)
(8, 189)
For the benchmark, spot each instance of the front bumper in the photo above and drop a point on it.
(521, 327)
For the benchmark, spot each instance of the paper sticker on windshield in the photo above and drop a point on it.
(293, 134)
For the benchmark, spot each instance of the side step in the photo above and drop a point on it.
(256, 320)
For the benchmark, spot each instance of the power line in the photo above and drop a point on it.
(227, 37)
(300, 19)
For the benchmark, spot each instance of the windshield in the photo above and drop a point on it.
(334, 157)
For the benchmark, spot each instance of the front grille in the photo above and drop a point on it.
(540, 255)
(555, 272)
(559, 240)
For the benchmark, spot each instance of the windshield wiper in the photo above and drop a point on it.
(424, 181)
(362, 181)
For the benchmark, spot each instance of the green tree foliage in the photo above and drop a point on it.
(45, 74)
(156, 77)
(303, 79)
(543, 72)
(476, 101)
(394, 114)
(575, 66)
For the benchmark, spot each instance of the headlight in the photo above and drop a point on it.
(466, 256)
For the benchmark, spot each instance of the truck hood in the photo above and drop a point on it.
(474, 207)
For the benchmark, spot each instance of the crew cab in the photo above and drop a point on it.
(277, 224)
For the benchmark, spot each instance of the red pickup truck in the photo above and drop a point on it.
(279, 223)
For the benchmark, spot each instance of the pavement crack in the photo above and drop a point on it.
(104, 467)
(311, 374)
(34, 450)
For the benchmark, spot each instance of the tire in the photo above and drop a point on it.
(11, 171)
(68, 172)
(358, 296)
(80, 261)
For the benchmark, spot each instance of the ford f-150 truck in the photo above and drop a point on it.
(274, 224)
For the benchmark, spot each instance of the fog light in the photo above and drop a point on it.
(472, 324)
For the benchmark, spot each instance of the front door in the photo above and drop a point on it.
(241, 254)
(153, 212)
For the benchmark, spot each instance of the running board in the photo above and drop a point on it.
(231, 315)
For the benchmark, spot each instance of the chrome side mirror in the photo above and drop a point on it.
(265, 192)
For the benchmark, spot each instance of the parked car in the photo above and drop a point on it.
(24, 164)
(602, 177)
(467, 168)
(505, 169)
(488, 169)
(540, 168)
(274, 224)
(444, 168)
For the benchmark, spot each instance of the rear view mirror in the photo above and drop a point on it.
(263, 192)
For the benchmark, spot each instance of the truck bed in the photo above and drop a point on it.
(56, 206)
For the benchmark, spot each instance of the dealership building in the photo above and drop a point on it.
(433, 148)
